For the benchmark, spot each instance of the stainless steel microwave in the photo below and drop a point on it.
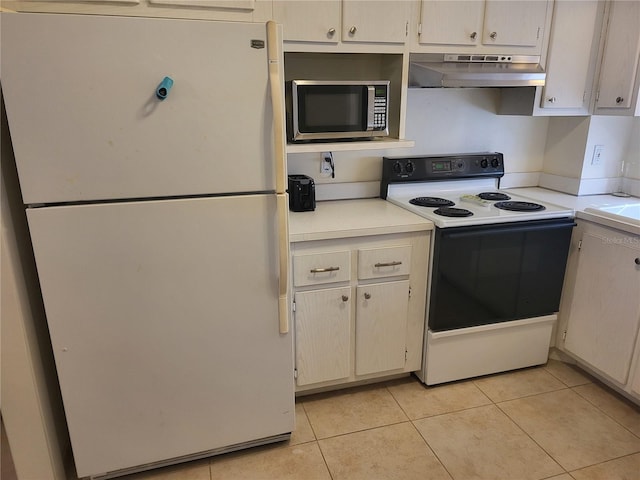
(337, 110)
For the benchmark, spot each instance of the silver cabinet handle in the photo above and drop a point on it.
(367, 295)
(473, 35)
(353, 30)
(552, 99)
(323, 270)
(388, 264)
(345, 298)
(331, 32)
(619, 100)
(493, 35)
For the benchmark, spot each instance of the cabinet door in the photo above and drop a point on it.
(570, 54)
(510, 23)
(605, 312)
(620, 56)
(451, 23)
(323, 326)
(381, 326)
(311, 21)
(382, 21)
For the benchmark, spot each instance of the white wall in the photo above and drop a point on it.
(631, 167)
(458, 120)
(632, 157)
(570, 144)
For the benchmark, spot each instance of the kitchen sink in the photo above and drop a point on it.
(629, 213)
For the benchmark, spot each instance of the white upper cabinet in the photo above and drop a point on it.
(375, 21)
(617, 90)
(571, 58)
(451, 23)
(486, 25)
(514, 24)
(311, 21)
(344, 22)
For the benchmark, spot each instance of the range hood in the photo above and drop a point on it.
(455, 70)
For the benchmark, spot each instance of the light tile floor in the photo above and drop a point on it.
(550, 422)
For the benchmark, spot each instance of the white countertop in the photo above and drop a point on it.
(353, 218)
(580, 203)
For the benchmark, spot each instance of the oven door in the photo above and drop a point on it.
(496, 273)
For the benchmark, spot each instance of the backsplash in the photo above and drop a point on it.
(554, 152)
(439, 121)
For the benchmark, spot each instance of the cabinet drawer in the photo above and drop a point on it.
(384, 262)
(319, 268)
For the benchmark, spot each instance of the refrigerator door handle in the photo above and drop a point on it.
(276, 74)
(283, 243)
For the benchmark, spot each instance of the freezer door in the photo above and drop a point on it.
(86, 123)
(163, 318)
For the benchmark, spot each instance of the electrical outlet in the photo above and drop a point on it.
(325, 164)
(598, 151)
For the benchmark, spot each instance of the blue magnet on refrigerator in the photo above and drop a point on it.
(163, 89)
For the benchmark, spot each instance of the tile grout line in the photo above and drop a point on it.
(316, 441)
(418, 432)
(365, 430)
(527, 433)
(432, 450)
(601, 410)
(543, 449)
(602, 463)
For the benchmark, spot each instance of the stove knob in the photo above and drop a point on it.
(409, 167)
(397, 167)
(484, 163)
(495, 163)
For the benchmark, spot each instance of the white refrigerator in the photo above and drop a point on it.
(158, 218)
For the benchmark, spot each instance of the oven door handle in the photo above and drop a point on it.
(508, 229)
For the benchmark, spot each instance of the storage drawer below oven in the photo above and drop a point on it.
(474, 351)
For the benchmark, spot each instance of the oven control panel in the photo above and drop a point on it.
(440, 167)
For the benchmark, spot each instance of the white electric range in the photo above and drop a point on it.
(459, 190)
(497, 264)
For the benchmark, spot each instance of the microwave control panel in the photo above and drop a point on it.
(380, 101)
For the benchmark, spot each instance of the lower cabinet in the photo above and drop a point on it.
(381, 326)
(358, 307)
(323, 335)
(600, 310)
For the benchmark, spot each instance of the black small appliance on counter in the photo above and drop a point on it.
(302, 193)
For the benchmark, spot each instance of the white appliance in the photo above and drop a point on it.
(497, 264)
(151, 160)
